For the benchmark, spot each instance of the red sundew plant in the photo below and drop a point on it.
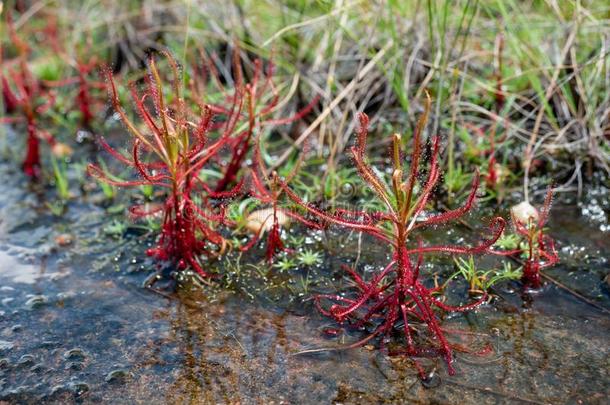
(84, 97)
(30, 100)
(260, 97)
(396, 294)
(84, 100)
(541, 253)
(491, 178)
(267, 190)
(178, 150)
(492, 175)
(9, 98)
(87, 89)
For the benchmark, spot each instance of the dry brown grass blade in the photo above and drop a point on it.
(527, 160)
(333, 104)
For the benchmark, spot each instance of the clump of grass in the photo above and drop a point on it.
(480, 281)
(396, 295)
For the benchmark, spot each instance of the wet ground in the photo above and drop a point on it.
(77, 327)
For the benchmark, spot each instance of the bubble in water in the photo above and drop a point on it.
(431, 380)
(75, 354)
(117, 376)
(79, 388)
(83, 135)
(26, 360)
(347, 189)
(36, 301)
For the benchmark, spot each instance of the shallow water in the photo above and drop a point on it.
(77, 327)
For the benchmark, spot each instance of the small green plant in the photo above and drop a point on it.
(309, 258)
(60, 178)
(336, 181)
(116, 209)
(305, 282)
(57, 208)
(108, 189)
(508, 273)
(296, 240)
(115, 228)
(62, 187)
(481, 281)
(508, 241)
(239, 213)
(285, 264)
(457, 180)
(147, 191)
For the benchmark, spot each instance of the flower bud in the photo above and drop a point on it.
(261, 221)
(61, 150)
(524, 212)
